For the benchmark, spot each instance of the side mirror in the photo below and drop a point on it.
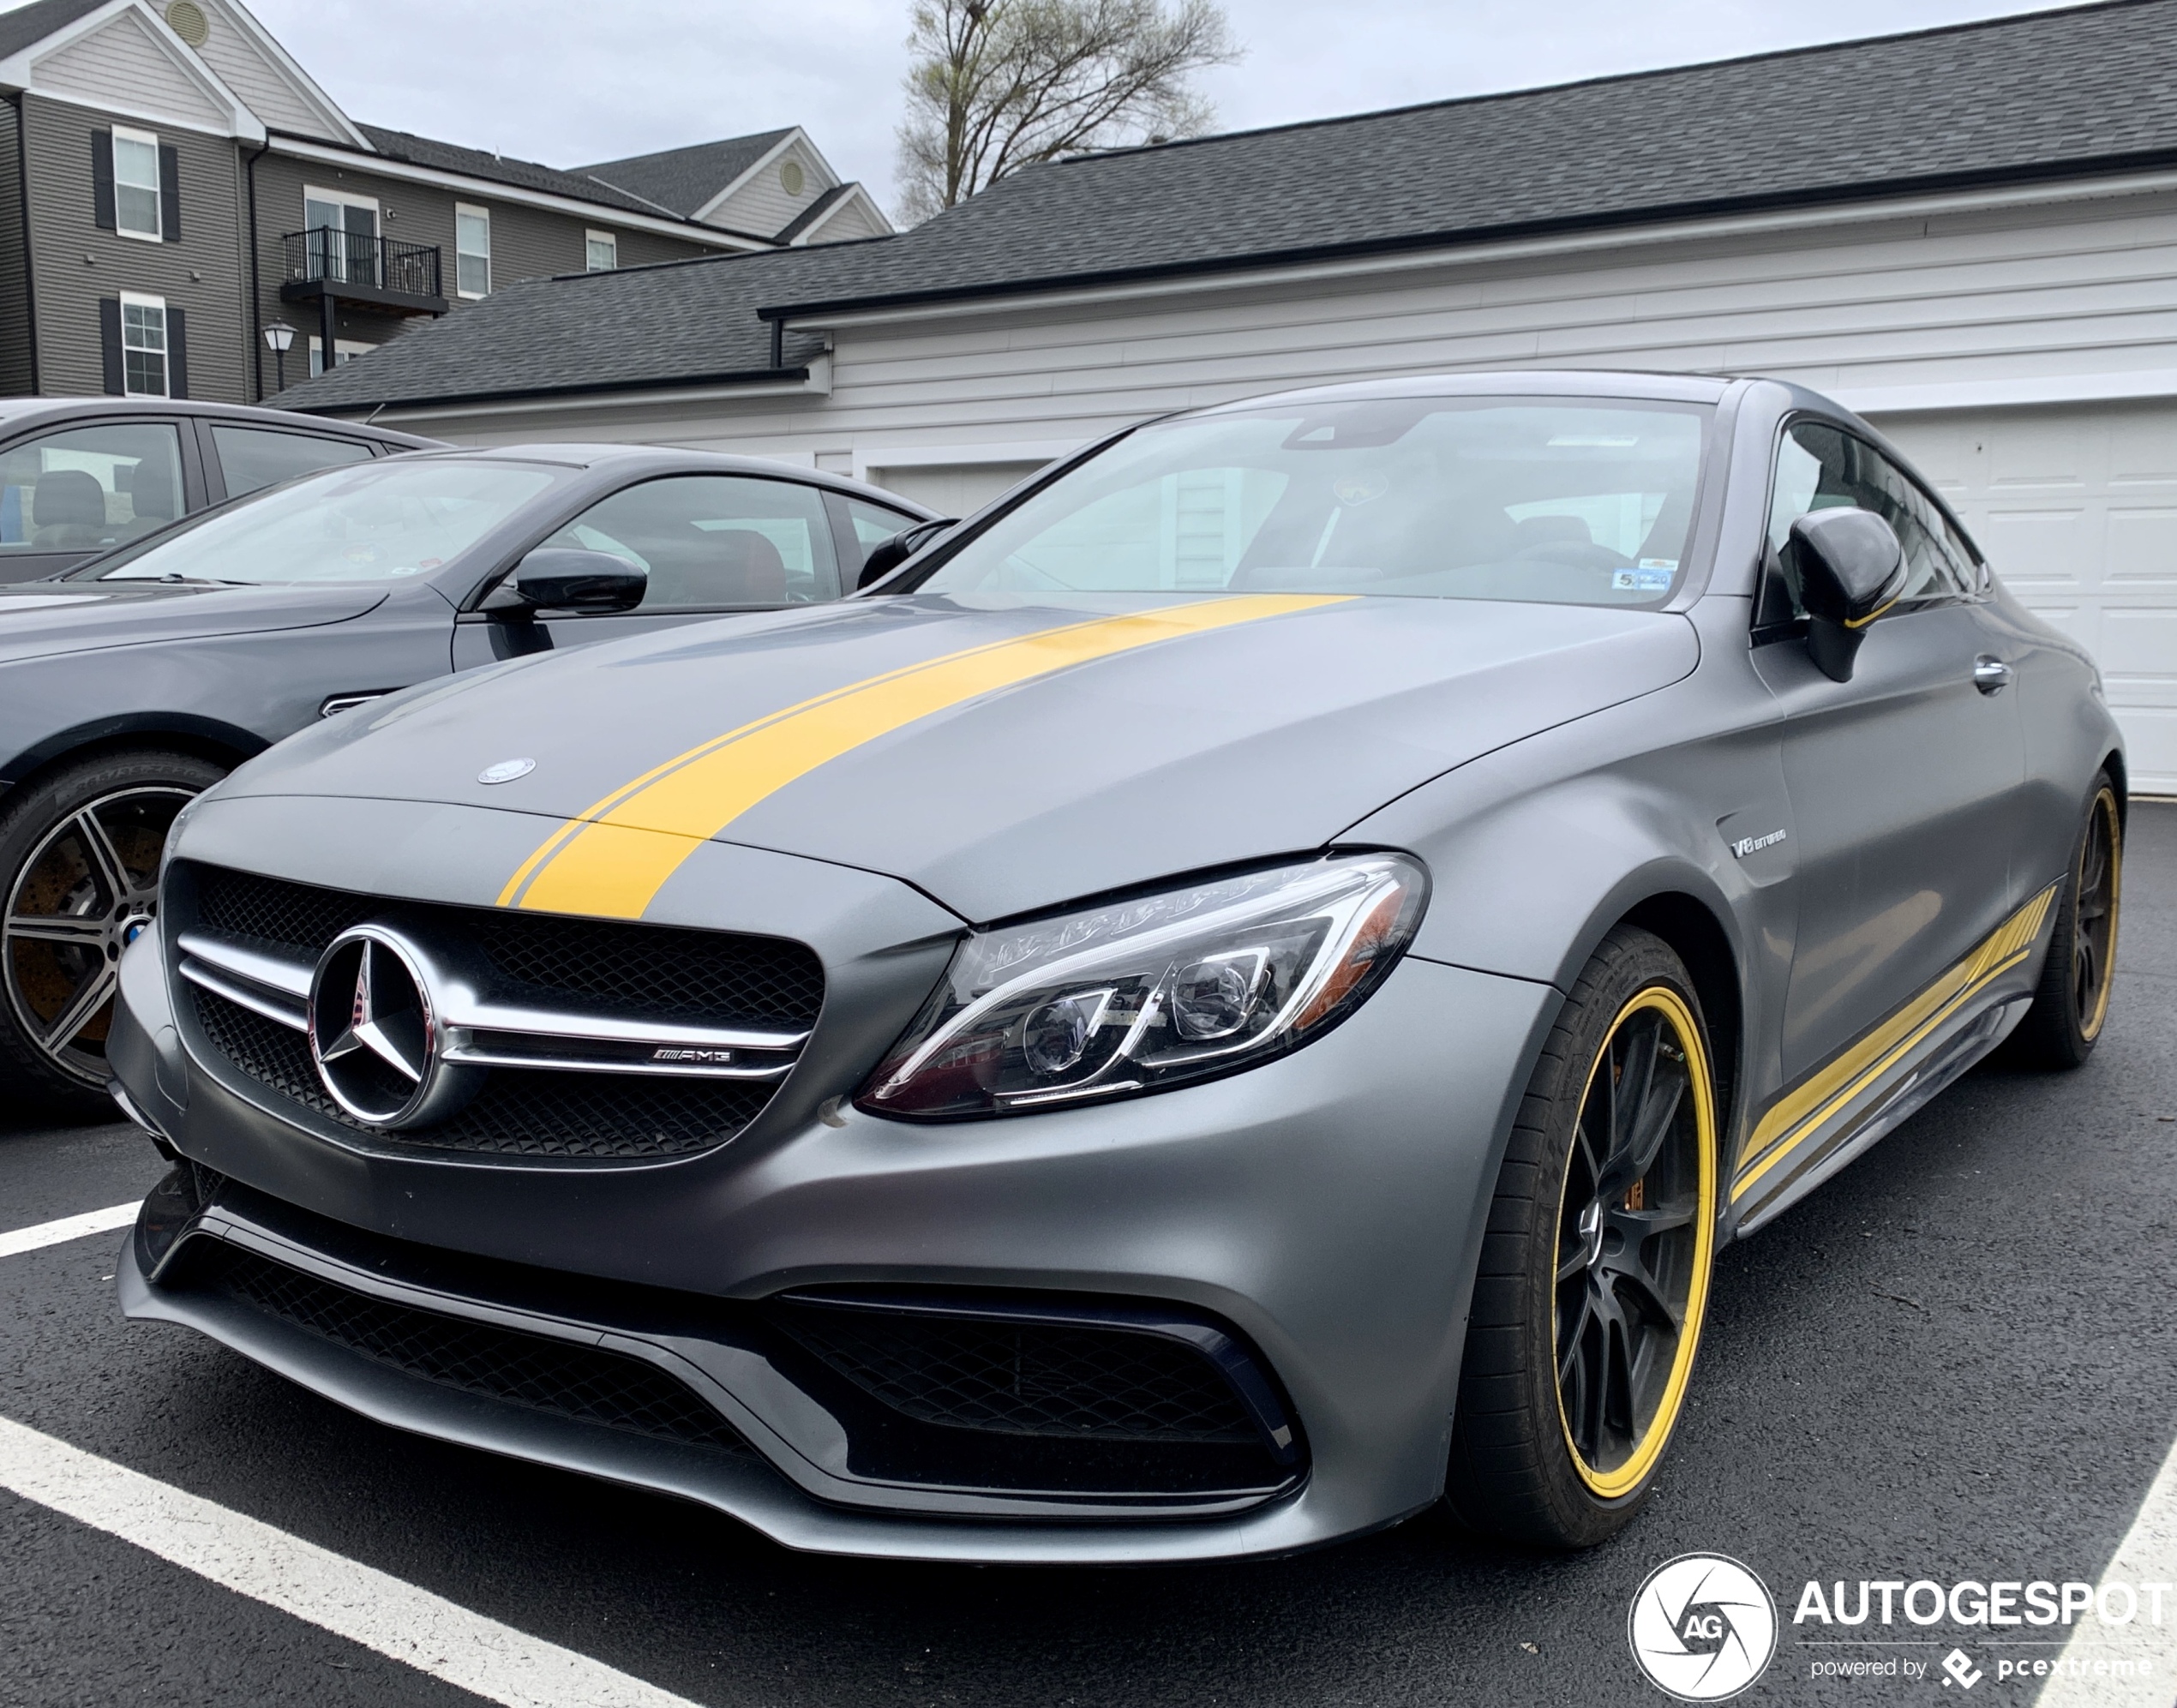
(887, 555)
(1851, 570)
(562, 578)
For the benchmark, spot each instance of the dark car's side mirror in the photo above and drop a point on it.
(887, 555)
(564, 578)
(1851, 570)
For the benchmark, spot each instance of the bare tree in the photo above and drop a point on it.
(997, 85)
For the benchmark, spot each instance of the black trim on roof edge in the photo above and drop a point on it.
(1474, 237)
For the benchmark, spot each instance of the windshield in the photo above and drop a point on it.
(377, 521)
(1580, 501)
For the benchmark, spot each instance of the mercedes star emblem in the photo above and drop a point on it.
(372, 1033)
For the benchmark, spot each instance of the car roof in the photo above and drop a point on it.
(668, 459)
(18, 412)
(1543, 382)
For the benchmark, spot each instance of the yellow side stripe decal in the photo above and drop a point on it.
(616, 856)
(1811, 1107)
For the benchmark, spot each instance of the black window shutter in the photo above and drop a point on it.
(102, 178)
(176, 352)
(110, 335)
(170, 194)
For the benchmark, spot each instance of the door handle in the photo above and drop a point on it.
(1991, 675)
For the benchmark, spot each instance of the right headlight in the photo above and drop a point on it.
(1150, 993)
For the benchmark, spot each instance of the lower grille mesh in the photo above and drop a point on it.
(535, 1112)
(585, 1383)
(1026, 1379)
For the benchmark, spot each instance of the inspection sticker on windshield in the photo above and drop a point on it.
(1642, 580)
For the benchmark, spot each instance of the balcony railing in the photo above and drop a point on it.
(326, 256)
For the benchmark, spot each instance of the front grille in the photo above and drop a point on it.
(1026, 1379)
(662, 971)
(546, 961)
(586, 1383)
(519, 1112)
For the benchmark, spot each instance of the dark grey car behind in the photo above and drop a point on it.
(135, 681)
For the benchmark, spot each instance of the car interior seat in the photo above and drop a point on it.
(68, 512)
(152, 494)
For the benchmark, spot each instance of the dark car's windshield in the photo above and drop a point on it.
(378, 522)
(1569, 500)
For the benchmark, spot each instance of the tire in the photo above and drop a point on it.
(1555, 1444)
(2071, 1004)
(79, 876)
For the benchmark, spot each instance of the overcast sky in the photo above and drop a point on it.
(567, 81)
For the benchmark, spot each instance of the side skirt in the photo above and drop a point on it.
(1817, 1126)
(1949, 1061)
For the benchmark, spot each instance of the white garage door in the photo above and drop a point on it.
(2076, 508)
(953, 488)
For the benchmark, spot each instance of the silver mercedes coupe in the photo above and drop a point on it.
(1234, 997)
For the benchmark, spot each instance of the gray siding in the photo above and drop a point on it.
(762, 205)
(18, 363)
(73, 263)
(526, 242)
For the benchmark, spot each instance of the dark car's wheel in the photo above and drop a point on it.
(1594, 1271)
(78, 859)
(2071, 1004)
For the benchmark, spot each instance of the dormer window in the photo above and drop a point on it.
(135, 183)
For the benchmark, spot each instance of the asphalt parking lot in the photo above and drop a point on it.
(1955, 1361)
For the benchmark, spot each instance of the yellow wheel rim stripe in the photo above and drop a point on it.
(613, 859)
(1611, 1484)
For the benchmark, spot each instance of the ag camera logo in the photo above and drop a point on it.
(1703, 1627)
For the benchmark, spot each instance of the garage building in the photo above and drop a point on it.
(1970, 235)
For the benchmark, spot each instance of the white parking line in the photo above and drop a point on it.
(242, 1553)
(2148, 1555)
(68, 1227)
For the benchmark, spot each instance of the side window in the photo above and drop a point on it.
(1820, 467)
(254, 457)
(87, 488)
(716, 542)
(873, 525)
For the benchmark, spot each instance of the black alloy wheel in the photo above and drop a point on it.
(1593, 1280)
(79, 855)
(1631, 1269)
(2071, 1004)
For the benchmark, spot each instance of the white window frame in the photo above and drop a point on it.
(611, 241)
(343, 198)
(150, 139)
(131, 299)
(344, 349)
(473, 211)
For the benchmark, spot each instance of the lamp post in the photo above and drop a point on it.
(281, 336)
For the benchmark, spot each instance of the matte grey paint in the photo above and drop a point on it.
(83, 661)
(1556, 770)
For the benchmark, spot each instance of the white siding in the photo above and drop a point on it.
(120, 64)
(854, 218)
(762, 205)
(264, 87)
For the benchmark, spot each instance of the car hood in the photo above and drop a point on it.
(1002, 755)
(40, 618)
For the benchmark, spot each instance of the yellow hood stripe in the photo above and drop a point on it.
(616, 856)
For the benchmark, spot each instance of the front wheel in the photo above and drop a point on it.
(1594, 1273)
(79, 860)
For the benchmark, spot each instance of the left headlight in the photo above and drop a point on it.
(1143, 994)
